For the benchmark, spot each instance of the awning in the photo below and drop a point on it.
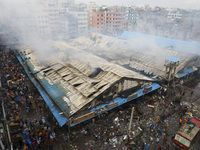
(186, 72)
(195, 121)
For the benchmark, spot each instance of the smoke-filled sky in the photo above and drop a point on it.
(186, 4)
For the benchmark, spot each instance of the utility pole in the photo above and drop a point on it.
(131, 120)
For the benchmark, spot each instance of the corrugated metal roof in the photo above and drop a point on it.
(173, 59)
(69, 84)
(150, 57)
(195, 121)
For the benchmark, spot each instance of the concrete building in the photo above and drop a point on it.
(68, 26)
(68, 2)
(108, 20)
(78, 11)
(92, 7)
(42, 20)
(51, 8)
(82, 18)
(132, 16)
(98, 20)
(174, 15)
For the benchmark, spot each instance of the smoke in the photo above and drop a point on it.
(27, 22)
(22, 18)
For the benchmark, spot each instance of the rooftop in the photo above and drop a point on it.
(189, 132)
(173, 59)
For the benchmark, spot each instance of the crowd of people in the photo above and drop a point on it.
(30, 128)
(22, 102)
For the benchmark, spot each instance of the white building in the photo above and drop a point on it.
(42, 20)
(82, 17)
(52, 10)
(174, 15)
(68, 26)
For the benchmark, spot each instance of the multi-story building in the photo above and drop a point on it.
(109, 20)
(98, 20)
(78, 11)
(132, 16)
(68, 2)
(68, 26)
(51, 8)
(174, 15)
(82, 18)
(42, 20)
(92, 7)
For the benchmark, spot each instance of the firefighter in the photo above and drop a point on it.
(185, 120)
(180, 122)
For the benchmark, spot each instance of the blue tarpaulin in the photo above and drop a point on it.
(17, 99)
(186, 72)
(173, 59)
(180, 45)
(147, 147)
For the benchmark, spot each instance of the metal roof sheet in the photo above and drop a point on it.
(173, 59)
(68, 83)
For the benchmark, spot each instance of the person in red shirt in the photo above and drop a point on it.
(33, 143)
(45, 143)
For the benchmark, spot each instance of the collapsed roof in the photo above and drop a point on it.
(76, 77)
(77, 72)
(140, 53)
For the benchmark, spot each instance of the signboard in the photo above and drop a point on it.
(182, 140)
(112, 105)
(89, 115)
(132, 96)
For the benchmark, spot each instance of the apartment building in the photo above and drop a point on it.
(109, 20)
(68, 26)
(92, 7)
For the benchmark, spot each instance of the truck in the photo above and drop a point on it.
(187, 134)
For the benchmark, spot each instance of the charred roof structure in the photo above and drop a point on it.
(129, 51)
(76, 85)
(87, 76)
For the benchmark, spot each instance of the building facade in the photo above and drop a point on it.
(92, 7)
(108, 20)
(174, 15)
(82, 18)
(68, 26)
